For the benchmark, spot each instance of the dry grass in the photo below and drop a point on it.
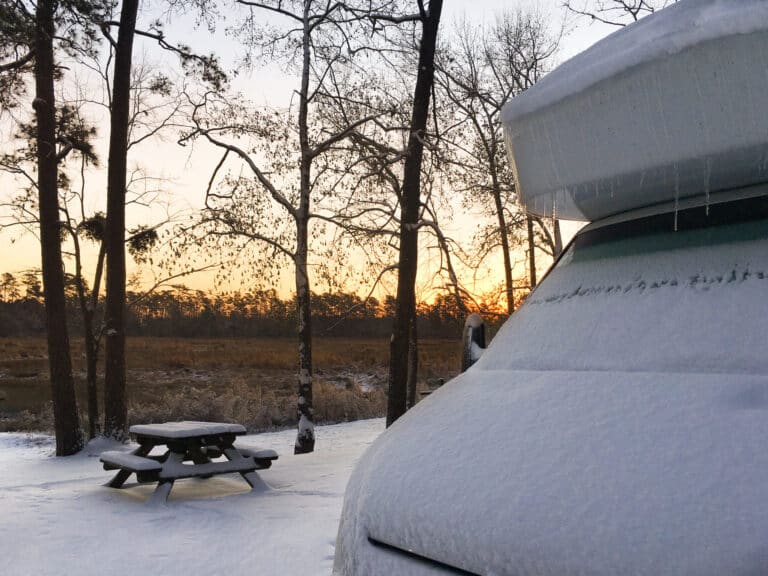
(268, 353)
(272, 354)
(40, 420)
(251, 381)
(258, 408)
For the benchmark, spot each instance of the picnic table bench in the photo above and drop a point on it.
(197, 442)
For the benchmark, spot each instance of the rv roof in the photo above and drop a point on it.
(669, 108)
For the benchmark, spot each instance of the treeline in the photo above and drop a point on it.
(186, 313)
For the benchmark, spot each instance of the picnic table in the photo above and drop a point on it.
(190, 451)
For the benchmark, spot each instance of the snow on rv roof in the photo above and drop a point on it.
(664, 33)
(669, 108)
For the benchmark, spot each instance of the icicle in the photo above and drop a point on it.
(707, 177)
(554, 206)
(677, 192)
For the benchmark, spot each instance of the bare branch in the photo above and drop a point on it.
(18, 63)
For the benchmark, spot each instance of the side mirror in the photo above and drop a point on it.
(473, 343)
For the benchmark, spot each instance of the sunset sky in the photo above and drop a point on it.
(185, 172)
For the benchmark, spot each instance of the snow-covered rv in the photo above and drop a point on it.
(617, 424)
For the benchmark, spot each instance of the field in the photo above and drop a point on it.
(251, 381)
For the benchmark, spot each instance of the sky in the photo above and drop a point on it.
(185, 171)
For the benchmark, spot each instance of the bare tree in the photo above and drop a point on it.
(153, 110)
(154, 105)
(483, 68)
(616, 12)
(410, 205)
(375, 210)
(206, 67)
(292, 159)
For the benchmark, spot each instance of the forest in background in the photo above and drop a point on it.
(185, 313)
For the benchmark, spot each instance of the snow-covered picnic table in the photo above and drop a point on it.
(199, 443)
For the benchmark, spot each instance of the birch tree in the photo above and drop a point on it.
(291, 161)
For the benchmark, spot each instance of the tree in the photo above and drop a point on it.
(69, 438)
(115, 393)
(376, 208)
(9, 288)
(294, 159)
(79, 226)
(616, 12)
(17, 52)
(32, 32)
(405, 311)
(482, 69)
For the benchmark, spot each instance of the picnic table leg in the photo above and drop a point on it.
(164, 485)
(119, 479)
(199, 456)
(253, 479)
(122, 475)
(161, 493)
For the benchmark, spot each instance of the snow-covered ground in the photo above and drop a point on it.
(56, 517)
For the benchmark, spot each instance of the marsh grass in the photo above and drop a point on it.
(29, 355)
(250, 381)
(258, 408)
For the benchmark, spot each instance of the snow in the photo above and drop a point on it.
(679, 27)
(130, 461)
(186, 429)
(475, 351)
(698, 308)
(56, 517)
(671, 107)
(567, 472)
(615, 425)
(473, 321)
(306, 430)
(257, 453)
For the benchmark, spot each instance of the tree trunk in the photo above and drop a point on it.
(492, 152)
(88, 303)
(410, 204)
(504, 235)
(91, 358)
(305, 437)
(115, 397)
(92, 343)
(531, 252)
(413, 363)
(454, 278)
(90, 353)
(69, 438)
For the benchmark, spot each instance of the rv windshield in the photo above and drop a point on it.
(642, 296)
